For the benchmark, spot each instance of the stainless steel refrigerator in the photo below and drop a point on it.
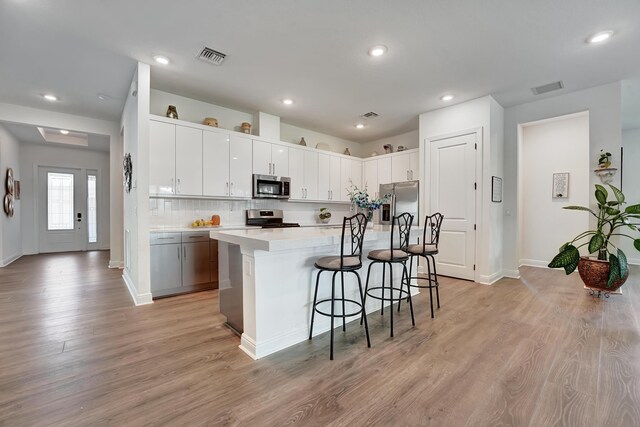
(405, 197)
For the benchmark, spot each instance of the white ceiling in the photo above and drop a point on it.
(314, 52)
(28, 134)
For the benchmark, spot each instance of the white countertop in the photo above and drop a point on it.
(175, 229)
(284, 239)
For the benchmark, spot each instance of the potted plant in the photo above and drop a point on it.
(324, 215)
(361, 200)
(609, 270)
(604, 161)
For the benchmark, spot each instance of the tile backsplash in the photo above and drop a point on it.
(182, 212)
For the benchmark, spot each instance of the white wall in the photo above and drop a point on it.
(548, 147)
(408, 139)
(32, 156)
(46, 118)
(10, 241)
(195, 111)
(467, 116)
(630, 186)
(604, 104)
(292, 134)
(135, 127)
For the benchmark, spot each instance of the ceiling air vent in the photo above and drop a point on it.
(550, 87)
(370, 115)
(212, 56)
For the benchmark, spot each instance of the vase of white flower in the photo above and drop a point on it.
(362, 202)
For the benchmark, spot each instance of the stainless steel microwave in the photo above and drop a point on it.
(271, 187)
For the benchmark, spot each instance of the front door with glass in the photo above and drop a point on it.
(62, 201)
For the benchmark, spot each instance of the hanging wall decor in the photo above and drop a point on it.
(128, 172)
(496, 189)
(560, 185)
(8, 197)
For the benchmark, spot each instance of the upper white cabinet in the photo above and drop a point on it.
(270, 159)
(329, 182)
(377, 171)
(303, 171)
(215, 161)
(404, 167)
(356, 172)
(240, 154)
(162, 165)
(188, 166)
(350, 174)
(384, 170)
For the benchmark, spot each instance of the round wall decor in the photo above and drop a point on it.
(8, 205)
(9, 181)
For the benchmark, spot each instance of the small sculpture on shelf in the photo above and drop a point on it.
(172, 113)
(604, 162)
(211, 121)
(388, 148)
(303, 142)
(605, 172)
(245, 127)
(347, 152)
(324, 215)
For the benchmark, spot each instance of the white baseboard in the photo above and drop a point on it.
(116, 264)
(141, 299)
(634, 261)
(490, 280)
(534, 263)
(512, 274)
(9, 260)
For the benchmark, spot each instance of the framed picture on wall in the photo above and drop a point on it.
(560, 185)
(496, 189)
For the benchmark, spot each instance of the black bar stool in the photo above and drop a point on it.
(349, 262)
(396, 254)
(428, 249)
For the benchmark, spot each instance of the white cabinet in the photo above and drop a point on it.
(350, 174)
(227, 165)
(404, 167)
(162, 166)
(175, 165)
(329, 182)
(356, 173)
(376, 172)
(303, 171)
(188, 155)
(240, 155)
(215, 161)
(270, 159)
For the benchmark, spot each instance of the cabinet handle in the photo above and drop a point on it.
(178, 252)
(408, 175)
(173, 190)
(184, 251)
(231, 189)
(274, 168)
(178, 186)
(269, 168)
(226, 190)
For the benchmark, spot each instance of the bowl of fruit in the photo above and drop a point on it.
(213, 222)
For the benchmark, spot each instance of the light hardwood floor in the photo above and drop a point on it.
(532, 352)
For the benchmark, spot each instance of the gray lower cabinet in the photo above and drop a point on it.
(180, 263)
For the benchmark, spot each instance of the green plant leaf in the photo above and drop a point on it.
(633, 209)
(579, 208)
(563, 247)
(568, 258)
(617, 193)
(636, 244)
(613, 203)
(601, 197)
(596, 242)
(604, 190)
(614, 270)
(611, 211)
(624, 265)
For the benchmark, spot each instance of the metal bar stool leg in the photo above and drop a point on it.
(435, 276)
(344, 321)
(430, 286)
(364, 313)
(384, 270)
(366, 288)
(313, 307)
(390, 295)
(405, 273)
(333, 298)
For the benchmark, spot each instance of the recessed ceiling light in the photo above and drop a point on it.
(360, 126)
(64, 132)
(163, 60)
(287, 101)
(446, 97)
(378, 50)
(600, 37)
(50, 97)
(102, 97)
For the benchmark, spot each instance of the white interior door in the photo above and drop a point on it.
(62, 196)
(453, 178)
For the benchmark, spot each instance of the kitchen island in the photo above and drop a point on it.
(272, 272)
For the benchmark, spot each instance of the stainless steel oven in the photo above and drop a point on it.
(271, 187)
